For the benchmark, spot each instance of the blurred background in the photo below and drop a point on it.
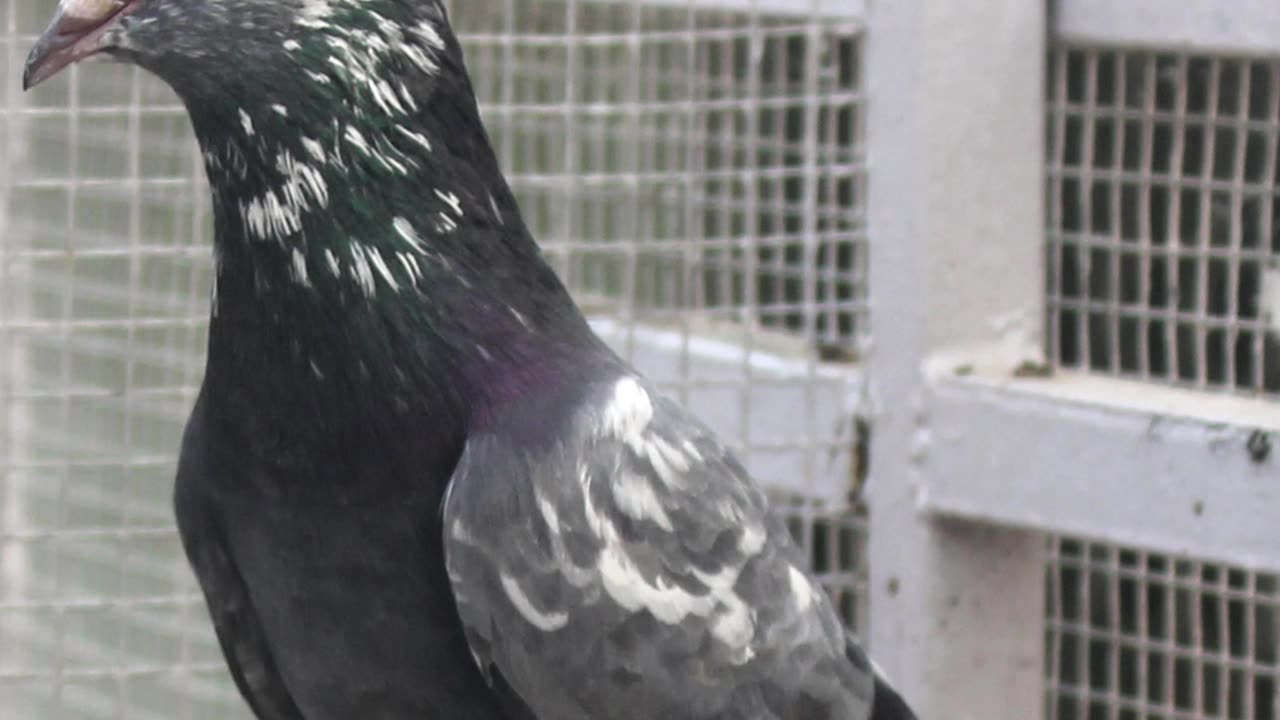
(987, 294)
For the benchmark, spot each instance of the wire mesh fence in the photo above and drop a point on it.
(682, 158)
(697, 171)
(1135, 634)
(1162, 188)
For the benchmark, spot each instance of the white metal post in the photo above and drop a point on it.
(955, 138)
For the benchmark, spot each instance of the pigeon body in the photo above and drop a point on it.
(415, 484)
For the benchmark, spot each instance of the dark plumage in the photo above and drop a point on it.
(415, 484)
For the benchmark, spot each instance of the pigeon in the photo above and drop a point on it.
(414, 482)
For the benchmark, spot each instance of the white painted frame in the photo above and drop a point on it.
(975, 453)
(956, 173)
(1218, 26)
(835, 9)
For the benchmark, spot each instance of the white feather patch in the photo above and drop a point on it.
(375, 257)
(452, 199)
(360, 268)
(668, 603)
(315, 13)
(752, 540)
(733, 622)
(636, 498)
(427, 31)
(628, 413)
(801, 590)
(411, 267)
(332, 261)
(546, 622)
(735, 626)
(405, 230)
(356, 139)
(300, 268)
(277, 212)
(314, 149)
(667, 460)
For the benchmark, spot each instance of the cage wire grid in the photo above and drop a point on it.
(691, 172)
(1162, 246)
(1134, 634)
(1162, 196)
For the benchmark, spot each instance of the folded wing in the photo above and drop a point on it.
(611, 559)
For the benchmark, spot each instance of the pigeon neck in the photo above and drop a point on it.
(380, 200)
(354, 364)
(355, 158)
(362, 222)
(411, 265)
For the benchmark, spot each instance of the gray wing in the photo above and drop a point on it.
(234, 620)
(619, 563)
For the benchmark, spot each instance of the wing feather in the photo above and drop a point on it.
(618, 562)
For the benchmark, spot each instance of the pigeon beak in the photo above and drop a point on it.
(78, 30)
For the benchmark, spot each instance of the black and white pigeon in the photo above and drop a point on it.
(415, 484)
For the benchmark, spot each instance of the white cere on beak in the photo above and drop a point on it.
(88, 12)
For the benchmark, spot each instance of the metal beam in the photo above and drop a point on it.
(834, 9)
(1219, 26)
(955, 212)
(1164, 469)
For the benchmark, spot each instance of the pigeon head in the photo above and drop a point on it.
(213, 45)
(355, 191)
(341, 137)
(378, 61)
